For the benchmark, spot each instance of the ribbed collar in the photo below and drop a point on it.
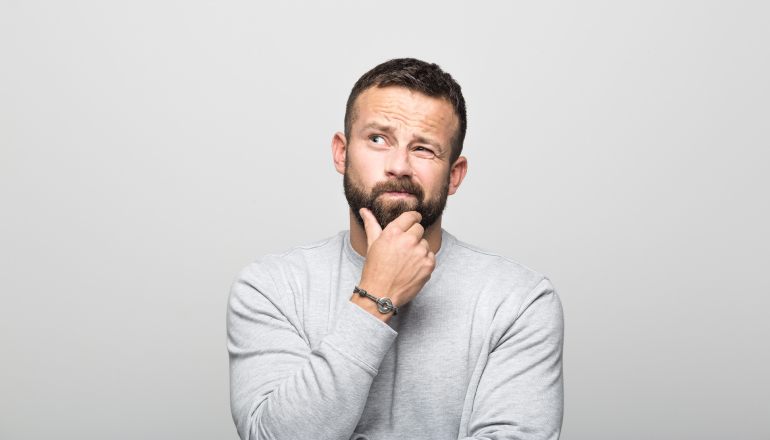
(448, 242)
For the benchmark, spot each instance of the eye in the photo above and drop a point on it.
(377, 139)
(423, 150)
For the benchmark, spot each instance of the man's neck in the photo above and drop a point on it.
(359, 243)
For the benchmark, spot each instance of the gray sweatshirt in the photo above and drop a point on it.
(477, 354)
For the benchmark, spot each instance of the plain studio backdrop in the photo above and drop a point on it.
(150, 150)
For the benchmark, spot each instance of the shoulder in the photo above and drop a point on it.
(493, 266)
(495, 280)
(275, 273)
(298, 258)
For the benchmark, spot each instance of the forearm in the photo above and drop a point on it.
(322, 396)
(520, 394)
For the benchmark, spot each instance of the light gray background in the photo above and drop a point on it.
(149, 150)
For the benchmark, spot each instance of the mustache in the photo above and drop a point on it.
(400, 185)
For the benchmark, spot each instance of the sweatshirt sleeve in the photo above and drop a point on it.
(521, 394)
(279, 387)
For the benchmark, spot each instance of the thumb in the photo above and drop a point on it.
(372, 227)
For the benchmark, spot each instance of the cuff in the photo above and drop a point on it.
(361, 336)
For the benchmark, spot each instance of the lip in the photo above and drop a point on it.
(399, 194)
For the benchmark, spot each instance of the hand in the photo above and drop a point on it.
(398, 260)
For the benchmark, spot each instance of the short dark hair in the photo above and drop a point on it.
(417, 76)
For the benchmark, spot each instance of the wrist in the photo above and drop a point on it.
(371, 307)
(384, 304)
(379, 306)
(379, 289)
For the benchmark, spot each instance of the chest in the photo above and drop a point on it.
(422, 382)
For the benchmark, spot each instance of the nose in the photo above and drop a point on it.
(398, 165)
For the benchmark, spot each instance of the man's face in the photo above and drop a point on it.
(397, 157)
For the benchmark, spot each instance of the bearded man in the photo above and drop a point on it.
(395, 329)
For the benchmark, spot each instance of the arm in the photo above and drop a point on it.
(521, 393)
(279, 387)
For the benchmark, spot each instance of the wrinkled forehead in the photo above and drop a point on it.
(407, 109)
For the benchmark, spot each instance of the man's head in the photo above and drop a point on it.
(417, 76)
(404, 128)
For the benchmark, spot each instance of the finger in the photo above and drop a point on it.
(417, 230)
(406, 220)
(432, 259)
(373, 229)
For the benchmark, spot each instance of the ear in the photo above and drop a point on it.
(457, 174)
(339, 151)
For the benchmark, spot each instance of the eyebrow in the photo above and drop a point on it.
(378, 127)
(389, 129)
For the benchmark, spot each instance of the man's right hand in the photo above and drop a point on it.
(398, 260)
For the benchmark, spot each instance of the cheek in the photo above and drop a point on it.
(366, 166)
(429, 176)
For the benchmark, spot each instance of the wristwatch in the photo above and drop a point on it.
(384, 305)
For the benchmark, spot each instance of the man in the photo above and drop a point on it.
(395, 329)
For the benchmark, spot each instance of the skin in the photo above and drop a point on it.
(398, 134)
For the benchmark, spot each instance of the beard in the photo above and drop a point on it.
(385, 211)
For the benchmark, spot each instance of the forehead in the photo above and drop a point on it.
(407, 109)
